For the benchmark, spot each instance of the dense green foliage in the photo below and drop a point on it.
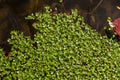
(63, 48)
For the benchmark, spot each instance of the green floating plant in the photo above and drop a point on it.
(64, 48)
